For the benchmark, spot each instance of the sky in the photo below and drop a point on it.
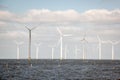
(73, 17)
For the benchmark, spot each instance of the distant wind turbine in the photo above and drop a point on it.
(37, 49)
(52, 49)
(29, 49)
(113, 43)
(18, 48)
(61, 42)
(84, 41)
(100, 46)
(76, 51)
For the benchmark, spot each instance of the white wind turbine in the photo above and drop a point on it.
(84, 41)
(113, 43)
(18, 43)
(61, 42)
(52, 49)
(76, 51)
(37, 44)
(29, 49)
(100, 46)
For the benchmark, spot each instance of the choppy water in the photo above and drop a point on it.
(60, 70)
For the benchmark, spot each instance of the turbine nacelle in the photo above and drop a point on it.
(84, 38)
(30, 28)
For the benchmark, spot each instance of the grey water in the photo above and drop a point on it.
(69, 69)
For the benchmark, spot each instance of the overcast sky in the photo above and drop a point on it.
(73, 17)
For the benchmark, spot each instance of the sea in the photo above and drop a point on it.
(67, 69)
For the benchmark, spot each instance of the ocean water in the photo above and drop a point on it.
(46, 69)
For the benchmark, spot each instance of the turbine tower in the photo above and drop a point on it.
(76, 51)
(100, 44)
(52, 49)
(84, 41)
(113, 43)
(61, 42)
(18, 48)
(37, 49)
(29, 49)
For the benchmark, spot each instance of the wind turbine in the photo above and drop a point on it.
(76, 51)
(52, 49)
(29, 49)
(61, 41)
(37, 49)
(18, 48)
(83, 47)
(113, 43)
(100, 46)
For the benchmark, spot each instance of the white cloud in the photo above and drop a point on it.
(69, 16)
(13, 35)
(7, 16)
(48, 16)
(102, 16)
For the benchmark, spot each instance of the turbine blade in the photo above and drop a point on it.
(84, 40)
(67, 35)
(33, 28)
(58, 29)
(98, 37)
(27, 27)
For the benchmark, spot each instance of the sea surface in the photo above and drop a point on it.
(46, 69)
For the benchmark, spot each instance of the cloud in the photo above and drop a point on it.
(70, 18)
(13, 35)
(47, 16)
(7, 16)
(100, 16)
